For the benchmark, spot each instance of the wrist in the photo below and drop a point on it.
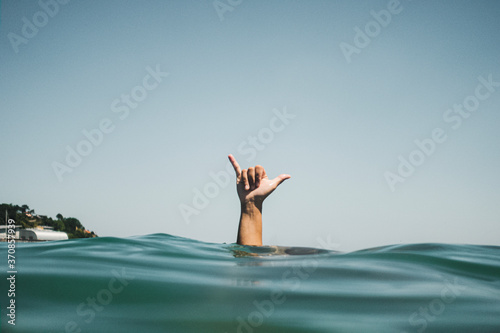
(251, 207)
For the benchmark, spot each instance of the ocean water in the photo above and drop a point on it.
(163, 283)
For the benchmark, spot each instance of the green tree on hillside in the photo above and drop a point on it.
(70, 225)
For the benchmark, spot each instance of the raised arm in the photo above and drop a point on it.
(253, 187)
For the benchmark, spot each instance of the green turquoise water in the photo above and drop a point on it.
(163, 283)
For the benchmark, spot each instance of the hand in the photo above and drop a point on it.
(252, 184)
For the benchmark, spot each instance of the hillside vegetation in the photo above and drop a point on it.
(27, 218)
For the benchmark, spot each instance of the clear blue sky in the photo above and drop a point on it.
(356, 114)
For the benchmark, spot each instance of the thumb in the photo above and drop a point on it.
(280, 179)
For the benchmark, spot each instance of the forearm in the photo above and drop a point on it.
(250, 228)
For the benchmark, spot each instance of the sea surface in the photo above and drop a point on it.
(164, 283)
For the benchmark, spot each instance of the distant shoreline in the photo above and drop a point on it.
(4, 240)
